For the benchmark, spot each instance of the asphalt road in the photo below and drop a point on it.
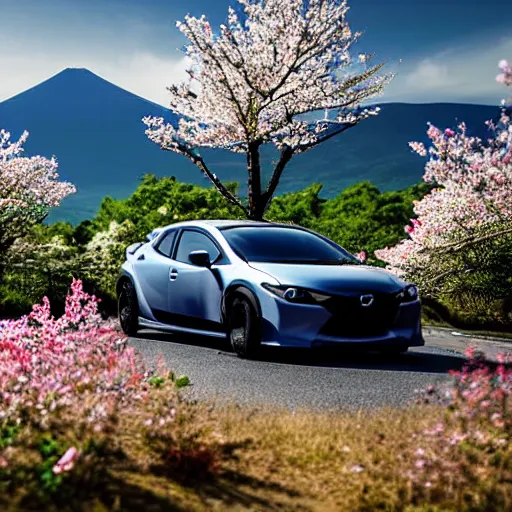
(295, 379)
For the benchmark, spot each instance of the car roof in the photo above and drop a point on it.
(224, 224)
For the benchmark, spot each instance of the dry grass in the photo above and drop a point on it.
(306, 461)
(330, 461)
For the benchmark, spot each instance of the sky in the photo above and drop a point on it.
(441, 50)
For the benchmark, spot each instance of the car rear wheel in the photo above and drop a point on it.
(128, 309)
(243, 325)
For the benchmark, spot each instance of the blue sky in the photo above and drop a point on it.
(442, 50)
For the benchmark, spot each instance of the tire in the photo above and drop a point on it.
(243, 325)
(128, 309)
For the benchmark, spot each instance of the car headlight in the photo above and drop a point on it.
(296, 294)
(409, 294)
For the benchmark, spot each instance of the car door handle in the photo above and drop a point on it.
(173, 274)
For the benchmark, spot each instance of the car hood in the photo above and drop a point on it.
(333, 278)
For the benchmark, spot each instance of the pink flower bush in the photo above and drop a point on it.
(478, 422)
(72, 386)
(472, 198)
(46, 362)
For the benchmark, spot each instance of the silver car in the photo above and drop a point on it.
(260, 283)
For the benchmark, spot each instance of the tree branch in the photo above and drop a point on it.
(285, 157)
(306, 147)
(199, 162)
(475, 239)
(208, 50)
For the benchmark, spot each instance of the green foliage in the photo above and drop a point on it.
(50, 450)
(43, 263)
(157, 202)
(182, 382)
(301, 207)
(362, 218)
(7, 434)
(474, 281)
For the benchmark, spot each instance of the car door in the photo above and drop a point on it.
(152, 269)
(195, 292)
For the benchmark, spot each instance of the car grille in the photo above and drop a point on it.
(351, 320)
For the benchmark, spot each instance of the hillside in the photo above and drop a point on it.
(95, 130)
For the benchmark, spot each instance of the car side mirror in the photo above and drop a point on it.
(200, 258)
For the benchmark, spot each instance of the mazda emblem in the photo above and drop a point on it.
(366, 300)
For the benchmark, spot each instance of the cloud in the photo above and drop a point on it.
(466, 73)
(145, 74)
(431, 75)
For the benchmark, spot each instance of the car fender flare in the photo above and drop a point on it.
(120, 280)
(243, 289)
(145, 310)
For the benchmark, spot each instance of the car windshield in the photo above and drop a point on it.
(274, 244)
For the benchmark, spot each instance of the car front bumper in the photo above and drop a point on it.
(302, 325)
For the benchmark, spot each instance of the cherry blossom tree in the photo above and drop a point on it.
(274, 64)
(469, 213)
(29, 186)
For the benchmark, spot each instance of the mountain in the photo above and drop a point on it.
(95, 130)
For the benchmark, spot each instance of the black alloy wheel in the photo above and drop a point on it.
(128, 309)
(244, 329)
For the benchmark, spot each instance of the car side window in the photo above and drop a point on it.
(195, 241)
(164, 246)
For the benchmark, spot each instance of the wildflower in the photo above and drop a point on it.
(362, 256)
(420, 463)
(67, 461)
(357, 468)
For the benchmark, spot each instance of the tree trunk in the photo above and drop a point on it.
(256, 199)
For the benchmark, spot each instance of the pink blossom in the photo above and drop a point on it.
(473, 182)
(67, 461)
(362, 256)
(28, 186)
(48, 363)
(506, 76)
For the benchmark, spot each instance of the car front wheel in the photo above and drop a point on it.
(128, 309)
(243, 325)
